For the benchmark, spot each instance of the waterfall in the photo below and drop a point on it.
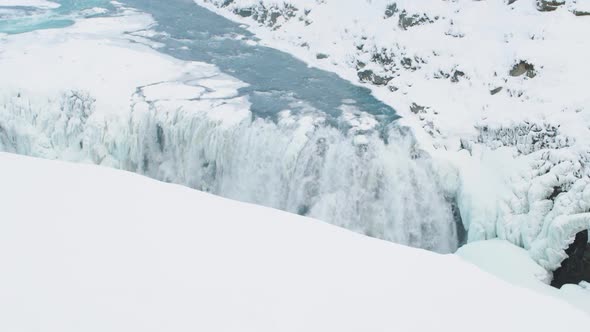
(382, 187)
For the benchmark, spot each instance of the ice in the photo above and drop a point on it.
(298, 164)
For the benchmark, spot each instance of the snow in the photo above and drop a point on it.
(94, 55)
(514, 265)
(511, 148)
(85, 248)
(29, 3)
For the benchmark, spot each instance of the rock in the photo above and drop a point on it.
(321, 56)
(496, 90)
(227, 3)
(245, 12)
(369, 76)
(523, 67)
(406, 20)
(456, 75)
(549, 5)
(575, 268)
(415, 108)
(391, 10)
(269, 16)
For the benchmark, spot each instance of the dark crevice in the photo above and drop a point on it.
(461, 231)
(575, 268)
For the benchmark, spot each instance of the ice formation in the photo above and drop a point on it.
(297, 164)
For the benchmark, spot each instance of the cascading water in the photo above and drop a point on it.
(311, 143)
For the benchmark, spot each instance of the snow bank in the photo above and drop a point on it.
(514, 265)
(496, 89)
(94, 249)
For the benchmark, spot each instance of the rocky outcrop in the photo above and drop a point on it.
(407, 20)
(270, 15)
(575, 268)
(367, 75)
(522, 68)
(549, 5)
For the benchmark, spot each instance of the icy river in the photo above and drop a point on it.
(352, 165)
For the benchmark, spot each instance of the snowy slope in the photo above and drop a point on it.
(514, 265)
(84, 248)
(497, 88)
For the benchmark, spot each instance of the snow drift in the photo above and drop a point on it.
(94, 249)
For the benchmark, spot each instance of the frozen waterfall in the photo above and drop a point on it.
(298, 163)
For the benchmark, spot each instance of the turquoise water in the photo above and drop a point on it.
(20, 19)
(277, 81)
